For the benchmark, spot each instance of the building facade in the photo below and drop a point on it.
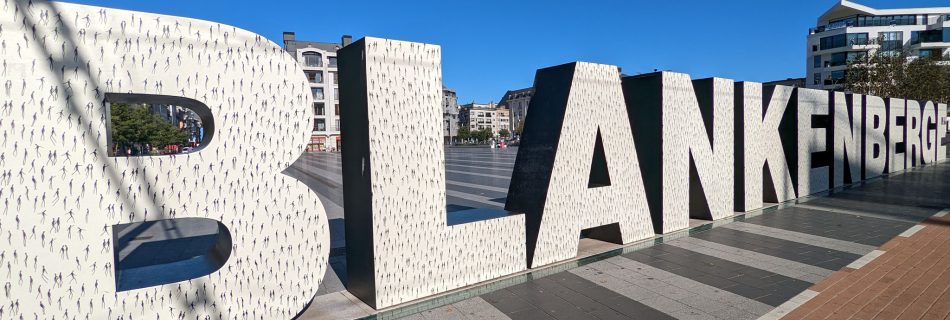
(450, 115)
(182, 118)
(850, 31)
(517, 102)
(318, 61)
(478, 116)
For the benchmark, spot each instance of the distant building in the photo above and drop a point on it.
(850, 31)
(517, 102)
(478, 116)
(182, 118)
(791, 82)
(450, 114)
(318, 60)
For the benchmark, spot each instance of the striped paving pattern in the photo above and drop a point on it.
(760, 266)
(909, 279)
(475, 177)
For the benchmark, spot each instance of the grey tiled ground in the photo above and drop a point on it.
(737, 270)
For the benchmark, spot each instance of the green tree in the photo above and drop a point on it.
(504, 133)
(897, 74)
(134, 126)
(464, 133)
(485, 134)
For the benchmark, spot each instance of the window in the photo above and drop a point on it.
(946, 33)
(332, 63)
(931, 53)
(839, 59)
(892, 41)
(336, 125)
(336, 93)
(319, 108)
(314, 76)
(317, 93)
(333, 77)
(857, 55)
(312, 59)
(857, 39)
(844, 22)
(896, 20)
(835, 41)
(319, 125)
(336, 109)
(837, 76)
(817, 62)
(928, 36)
(816, 78)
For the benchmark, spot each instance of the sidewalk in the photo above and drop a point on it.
(759, 264)
(906, 278)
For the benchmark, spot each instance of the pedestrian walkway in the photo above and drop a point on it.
(908, 279)
(759, 264)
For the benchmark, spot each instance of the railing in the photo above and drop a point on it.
(312, 60)
(830, 26)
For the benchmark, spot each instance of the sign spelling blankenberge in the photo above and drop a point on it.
(618, 158)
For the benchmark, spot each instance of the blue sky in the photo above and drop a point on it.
(492, 46)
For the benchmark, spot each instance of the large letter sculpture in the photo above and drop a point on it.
(914, 128)
(813, 167)
(875, 137)
(399, 244)
(928, 127)
(62, 193)
(943, 131)
(762, 171)
(684, 135)
(847, 123)
(896, 146)
(576, 168)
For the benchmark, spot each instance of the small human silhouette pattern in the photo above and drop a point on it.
(61, 193)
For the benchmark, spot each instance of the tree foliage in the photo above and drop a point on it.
(484, 134)
(136, 125)
(504, 133)
(889, 74)
(464, 133)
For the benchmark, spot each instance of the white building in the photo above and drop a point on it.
(849, 31)
(478, 116)
(318, 60)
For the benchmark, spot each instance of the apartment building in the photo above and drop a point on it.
(450, 114)
(850, 31)
(478, 116)
(318, 61)
(517, 102)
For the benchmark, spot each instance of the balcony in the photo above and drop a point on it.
(313, 60)
(852, 45)
(830, 26)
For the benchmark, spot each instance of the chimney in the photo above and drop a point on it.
(288, 38)
(347, 39)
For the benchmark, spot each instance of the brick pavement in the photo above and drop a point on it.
(911, 280)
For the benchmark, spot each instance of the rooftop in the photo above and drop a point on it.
(291, 44)
(846, 8)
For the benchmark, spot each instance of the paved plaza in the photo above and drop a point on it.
(793, 260)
